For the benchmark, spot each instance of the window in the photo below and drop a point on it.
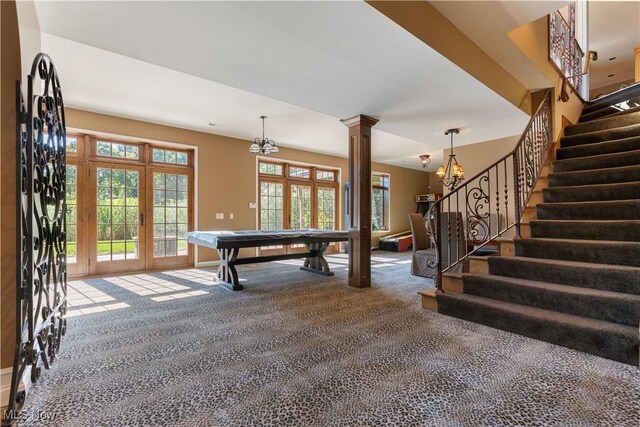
(298, 172)
(170, 156)
(294, 196)
(379, 201)
(117, 150)
(72, 144)
(325, 175)
(270, 169)
(170, 214)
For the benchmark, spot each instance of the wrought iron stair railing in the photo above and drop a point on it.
(493, 201)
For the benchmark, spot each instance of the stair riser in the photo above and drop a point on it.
(586, 194)
(598, 114)
(603, 124)
(624, 311)
(595, 342)
(607, 211)
(601, 136)
(592, 231)
(611, 176)
(608, 147)
(612, 99)
(599, 254)
(598, 162)
(604, 278)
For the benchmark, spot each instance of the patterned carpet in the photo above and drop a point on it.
(299, 349)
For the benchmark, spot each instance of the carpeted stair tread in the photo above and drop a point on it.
(595, 176)
(606, 112)
(600, 136)
(605, 123)
(614, 307)
(605, 339)
(615, 230)
(597, 192)
(604, 147)
(595, 251)
(609, 160)
(608, 277)
(595, 210)
(613, 98)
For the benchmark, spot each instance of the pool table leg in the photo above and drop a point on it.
(318, 263)
(227, 270)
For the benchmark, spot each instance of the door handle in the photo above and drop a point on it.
(142, 219)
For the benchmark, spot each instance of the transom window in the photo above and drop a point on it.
(298, 172)
(170, 156)
(270, 168)
(117, 150)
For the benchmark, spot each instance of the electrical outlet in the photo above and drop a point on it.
(230, 216)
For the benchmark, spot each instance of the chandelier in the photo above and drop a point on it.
(453, 174)
(264, 146)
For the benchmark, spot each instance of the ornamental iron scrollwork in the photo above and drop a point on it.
(564, 50)
(41, 209)
(494, 200)
(478, 204)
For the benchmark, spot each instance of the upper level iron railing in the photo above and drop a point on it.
(565, 52)
(493, 201)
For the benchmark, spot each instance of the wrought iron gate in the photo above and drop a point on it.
(41, 233)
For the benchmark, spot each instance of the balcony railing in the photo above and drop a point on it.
(565, 52)
(492, 202)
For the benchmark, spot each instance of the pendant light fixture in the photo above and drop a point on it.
(453, 174)
(263, 146)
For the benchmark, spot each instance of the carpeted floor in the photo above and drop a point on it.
(300, 349)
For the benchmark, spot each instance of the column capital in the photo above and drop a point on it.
(360, 119)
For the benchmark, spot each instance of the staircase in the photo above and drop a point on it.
(576, 281)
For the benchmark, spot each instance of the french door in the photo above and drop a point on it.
(170, 216)
(296, 197)
(117, 240)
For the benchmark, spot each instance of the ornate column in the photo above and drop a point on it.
(360, 199)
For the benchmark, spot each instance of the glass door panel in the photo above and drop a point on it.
(271, 212)
(76, 250)
(170, 201)
(299, 211)
(327, 212)
(117, 240)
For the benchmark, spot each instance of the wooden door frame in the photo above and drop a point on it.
(173, 261)
(95, 267)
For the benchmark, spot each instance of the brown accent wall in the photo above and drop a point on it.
(9, 73)
(226, 173)
(427, 24)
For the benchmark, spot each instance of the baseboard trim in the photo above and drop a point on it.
(205, 264)
(5, 385)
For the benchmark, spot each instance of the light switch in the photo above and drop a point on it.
(230, 216)
(252, 205)
(219, 216)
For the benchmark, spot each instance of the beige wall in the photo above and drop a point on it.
(226, 172)
(533, 40)
(9, 73)
(30, 42)
(475, 158)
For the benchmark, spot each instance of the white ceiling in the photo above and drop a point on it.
(488, 23)
(614, 31)
(303, 64)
